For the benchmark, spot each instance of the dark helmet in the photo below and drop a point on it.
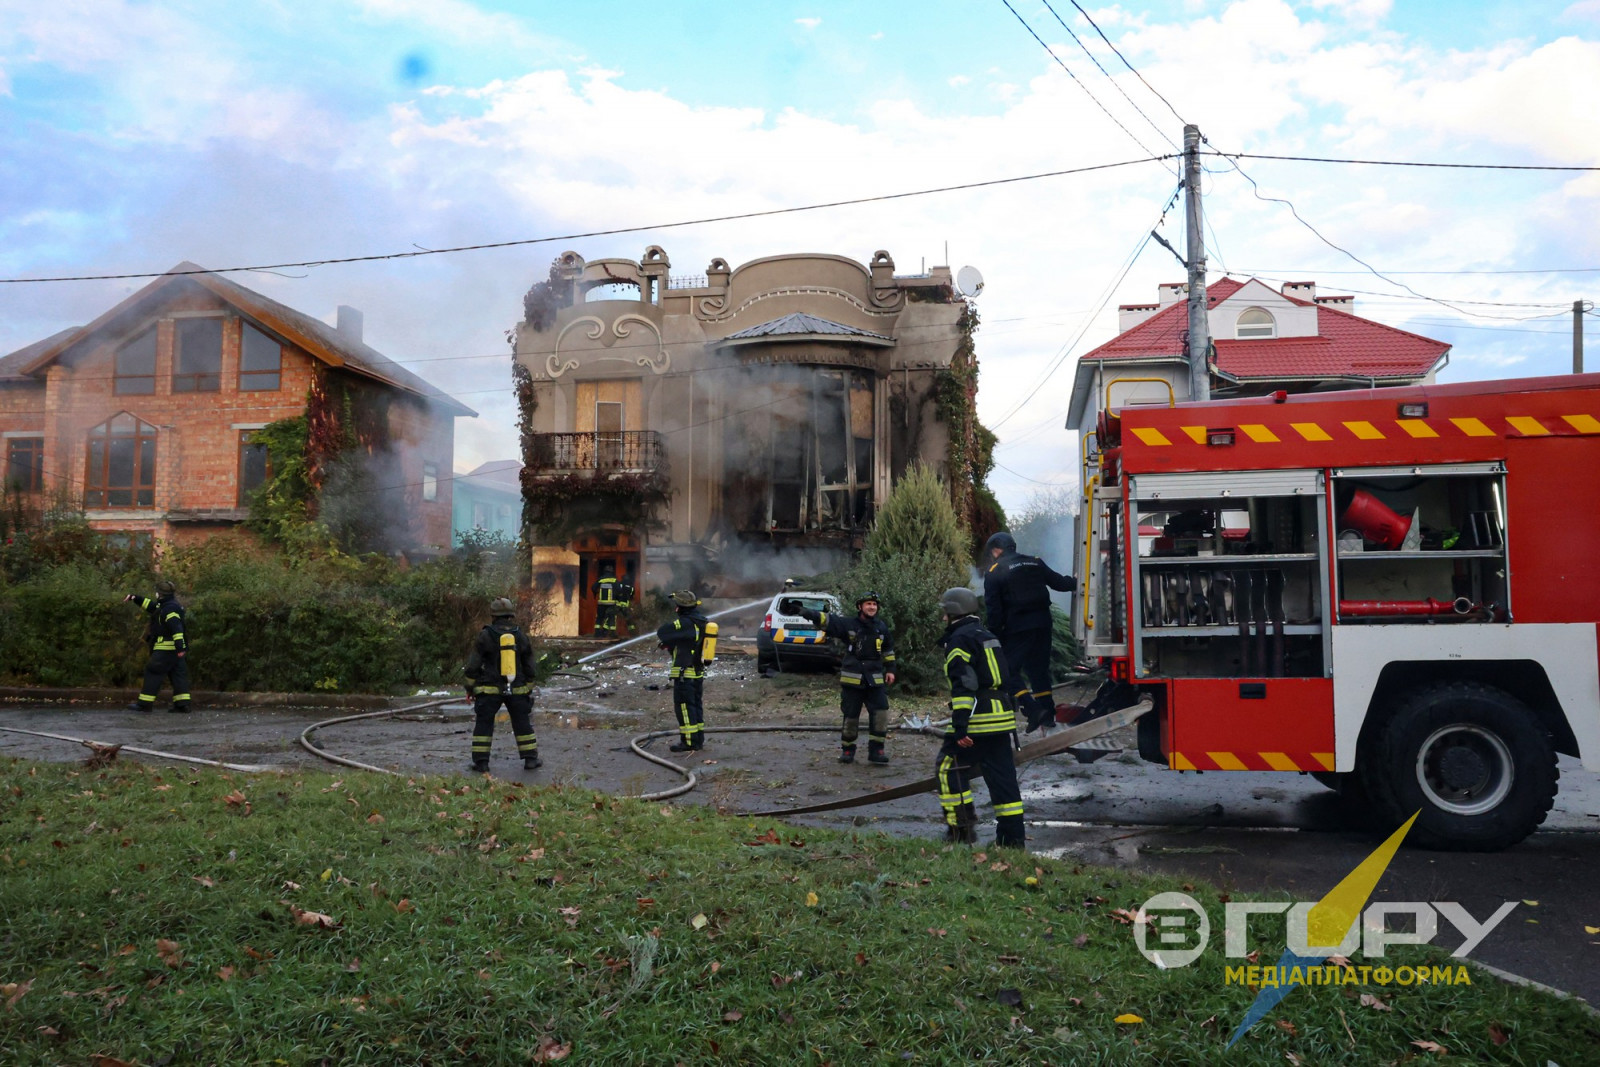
(165, 588)
(500, 606)
(958, 602)
(1002, 540)
(868, 595)
(684, 599)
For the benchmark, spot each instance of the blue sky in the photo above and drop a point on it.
(141, 134)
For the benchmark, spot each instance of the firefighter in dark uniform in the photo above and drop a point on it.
(982, 729)
(613, 596)
(685, 638)
(169, 648)
(500, 670)
(1016, 598)
(866, 670)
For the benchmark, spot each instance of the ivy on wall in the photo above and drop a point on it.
(970, 451)
(558, 507)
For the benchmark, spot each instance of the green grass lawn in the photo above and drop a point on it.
(158, 915)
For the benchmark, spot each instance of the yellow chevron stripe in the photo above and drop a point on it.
(1181, 763)
(1417, 428)
(1311, 431)
(1526, 426)
(1197, 434)
(1583, 423)
(1364, 430)
(1150, 435)
(1473, 428)
(1259, 433)
(1279, 761)
(1227, 761)
(1324, 758)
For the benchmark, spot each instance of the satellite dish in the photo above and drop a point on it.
(970, 281)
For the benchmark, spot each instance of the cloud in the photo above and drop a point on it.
(809, 23)
(1365, 12)
(958, 80)
(1583, 9)
(878, 36)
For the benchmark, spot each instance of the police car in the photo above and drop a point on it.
(786, 640)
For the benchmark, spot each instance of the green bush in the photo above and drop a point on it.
(916, 550)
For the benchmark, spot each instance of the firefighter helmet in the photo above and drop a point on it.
(1002, 540)
(165, 587)
(501, 606)
(868, 595)
(684, 599)
(958, 602)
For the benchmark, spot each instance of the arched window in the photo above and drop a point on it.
(121, 464)
(1256, 322)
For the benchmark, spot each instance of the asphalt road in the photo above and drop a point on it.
(1258, 832)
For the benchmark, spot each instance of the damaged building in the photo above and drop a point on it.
(724, 430)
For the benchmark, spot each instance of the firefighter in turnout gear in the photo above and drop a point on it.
(613, 596)
(865, 672)
(982, 729)
(500, 670)
(169, 648)
(1016, 598)
(685, 637)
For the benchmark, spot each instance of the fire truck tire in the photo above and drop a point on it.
(1473, 761)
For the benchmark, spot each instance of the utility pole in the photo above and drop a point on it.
(1199, 328)
(1577, 337)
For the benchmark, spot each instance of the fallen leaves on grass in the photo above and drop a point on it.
(236, 799)
(699, 921)
(171, 953)
(811, 899)
(227, 973)
(550, 1050)
(1431, 1046)
(311, 918)
(15, 991)
(100, 755)
(769, 838)
(1288, 1027)
(1127, 1018)
(1370, 1001)
(375, 818)
(1497, 1034)
(571, 916)
(98, 1059)
(732, 1016)
(404, 905)
(205, 881)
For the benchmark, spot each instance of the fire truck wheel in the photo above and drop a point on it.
(1472, 760)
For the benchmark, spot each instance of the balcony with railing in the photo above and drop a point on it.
(603, 452)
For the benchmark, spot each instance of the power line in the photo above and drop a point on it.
(1528, 270)
(1060, 63)
(1395, 162)
(1181, 120)
(1162, 133)
(1152, 158)
(1035, 481)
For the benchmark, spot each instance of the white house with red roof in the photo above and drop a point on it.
(1263, 340)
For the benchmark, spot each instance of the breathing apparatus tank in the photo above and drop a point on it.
(708, 647)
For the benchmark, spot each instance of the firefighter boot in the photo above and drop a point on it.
(964, 831)
(847, 753)
(683, 744)
(875, 753)
(480, 766)
(532, 762)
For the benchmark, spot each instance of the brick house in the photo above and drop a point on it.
(144, 416)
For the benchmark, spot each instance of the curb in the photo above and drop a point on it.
(204, 698)
(1517, 979)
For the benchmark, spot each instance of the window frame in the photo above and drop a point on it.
(120, 380)
(97, 483)
(197, 381)
(1270, 326)
(34, 480)
(245, 445)
(430, 482)
(248, 378)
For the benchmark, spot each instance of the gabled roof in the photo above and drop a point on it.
(11, 366)
(316, 337)
(503, 474)
(1346, 345)
(802, 325)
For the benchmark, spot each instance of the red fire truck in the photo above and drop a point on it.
(1394, 590)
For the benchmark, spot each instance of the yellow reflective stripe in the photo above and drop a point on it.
(1279, 761)
(1150, 435)
(1259, 433)
(1180, 762)
(1417, 428)
(1364, 430)
(1012, 808)
(1197, 434)
(1473, 428)
(962, 702)
(1324, 758)
(994, 665)
(1311, 431)
(1583, 423)
(179, 696)
(1527, 427)
(172, 614)
(958, 652)
(1227, 761)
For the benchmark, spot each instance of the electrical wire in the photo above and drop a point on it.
(739, 216)
(1159, 131)
(1399, 162)
(1088, 18)
(1080, 83)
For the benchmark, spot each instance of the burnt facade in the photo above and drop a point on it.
(728, 428)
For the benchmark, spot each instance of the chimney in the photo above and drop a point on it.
(349, 322)
(1172, 292)
(1300, 290)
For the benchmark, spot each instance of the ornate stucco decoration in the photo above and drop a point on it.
(714, 308)
(651, 353)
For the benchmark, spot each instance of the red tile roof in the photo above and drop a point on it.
(1346, 345)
